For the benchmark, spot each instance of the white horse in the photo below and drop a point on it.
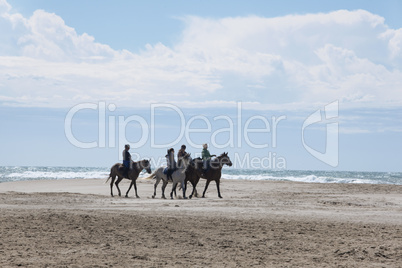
(178, 176)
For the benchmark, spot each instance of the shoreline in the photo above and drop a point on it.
(310, 176)
(257, 223)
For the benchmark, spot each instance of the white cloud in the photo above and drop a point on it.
(49, 38)
(287, 62)
(395, 42)
(4, 7)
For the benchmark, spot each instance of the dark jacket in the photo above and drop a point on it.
(126, 158)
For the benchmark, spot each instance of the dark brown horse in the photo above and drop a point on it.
(117, 170)
(193, 176)
(213, 173)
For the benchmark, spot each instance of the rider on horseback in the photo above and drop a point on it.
(126, 160)
(206, 158)
(171, 163)
(182, 152)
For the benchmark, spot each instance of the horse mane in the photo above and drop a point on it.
(139, 164)
(222, 155)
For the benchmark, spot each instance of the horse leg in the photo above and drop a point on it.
(184, 187)
(175, 193)
(206, 186)
(133, 182)
(195, 186)
(111, 185)
(173, 190)
(117, 183)
(217, 187)
(163, 189)
(129, 188)
(155, 185)
(191, 195)
(135, 188)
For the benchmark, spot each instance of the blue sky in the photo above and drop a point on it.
(276, 58)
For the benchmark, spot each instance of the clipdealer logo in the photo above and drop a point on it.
(328, 116)
(239, 132)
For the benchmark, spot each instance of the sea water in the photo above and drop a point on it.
(14, 173)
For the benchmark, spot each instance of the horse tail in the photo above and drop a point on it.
(110, 174)
(152, 176)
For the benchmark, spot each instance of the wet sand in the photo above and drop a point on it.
(76, 223)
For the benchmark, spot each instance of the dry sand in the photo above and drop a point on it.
(75, 223)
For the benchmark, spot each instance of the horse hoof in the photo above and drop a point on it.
(220, 196)
(153, 196)
(126, 196)
(184, 197)
(137, 196)
(190, 196)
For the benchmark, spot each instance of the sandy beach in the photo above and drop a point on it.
(76, 223)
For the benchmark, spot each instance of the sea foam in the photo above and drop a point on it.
(59, 173)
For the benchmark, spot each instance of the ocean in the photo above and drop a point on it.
(14, 173)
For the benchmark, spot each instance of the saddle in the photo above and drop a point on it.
(121, 168)
(124, 171)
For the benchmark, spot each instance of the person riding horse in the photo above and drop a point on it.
(206, 158)
(171, 163)
(182, 152)
(126, 160)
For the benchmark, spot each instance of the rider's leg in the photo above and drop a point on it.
(205, 167)
(169, 174)
(125, 172)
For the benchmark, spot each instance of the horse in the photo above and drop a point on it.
(192, 176)
(213, 173)
(178, 176)
(117, 170)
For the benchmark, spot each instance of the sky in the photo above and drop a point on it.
(276, 84)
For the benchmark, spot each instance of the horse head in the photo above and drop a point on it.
(224, 159)
(146, 164)
(185, 160)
